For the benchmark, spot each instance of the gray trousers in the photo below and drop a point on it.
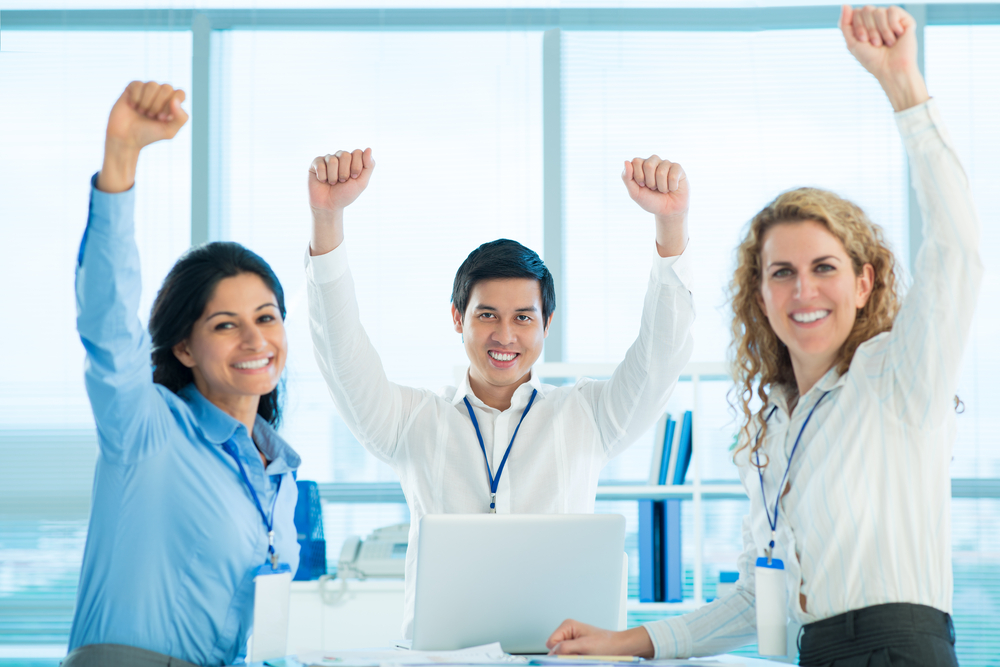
(885, 635)
(119, 655)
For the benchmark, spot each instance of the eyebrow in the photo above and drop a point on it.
(530, 309)
(815, 261)
(226, 312)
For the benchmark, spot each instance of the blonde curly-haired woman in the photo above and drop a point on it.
(846, 464)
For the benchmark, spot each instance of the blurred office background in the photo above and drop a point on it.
(510, 119)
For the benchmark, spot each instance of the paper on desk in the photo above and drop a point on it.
(489, 654)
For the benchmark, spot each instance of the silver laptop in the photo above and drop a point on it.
(483, 578)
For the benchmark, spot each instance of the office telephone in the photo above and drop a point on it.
(382, 554)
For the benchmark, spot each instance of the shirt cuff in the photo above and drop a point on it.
(327, 267)
(670, 638)
(111, 209)
(915, 121)
(674, 270)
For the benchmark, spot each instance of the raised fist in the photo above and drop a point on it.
(659, 186)
(145, 113)
(335, 181)
(883, 39)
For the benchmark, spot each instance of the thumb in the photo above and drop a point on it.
(367, 167)
(630, 184)
(179, 115)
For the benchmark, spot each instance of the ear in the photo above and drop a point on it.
(456, 319)
(548, 323)
(865, 282)
(183, 354)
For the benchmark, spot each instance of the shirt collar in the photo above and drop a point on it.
(214, 425)
(830, 381)
(463, 390)
(218, 428)
(280, 454)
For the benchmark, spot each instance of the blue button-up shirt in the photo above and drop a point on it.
(174, 533)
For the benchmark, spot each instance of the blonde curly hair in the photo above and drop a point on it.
(758, 356)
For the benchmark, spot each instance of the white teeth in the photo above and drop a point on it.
(805, 318)
(500, 356)
(251, 365)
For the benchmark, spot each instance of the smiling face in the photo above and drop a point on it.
(504, 331)
(810, 293)
(237, 348)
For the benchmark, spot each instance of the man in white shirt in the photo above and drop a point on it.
(501, 441)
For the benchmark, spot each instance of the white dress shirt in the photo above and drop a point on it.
(867, 520)
(428, 438)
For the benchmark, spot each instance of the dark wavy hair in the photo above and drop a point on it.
(503, 258)
(182, 299)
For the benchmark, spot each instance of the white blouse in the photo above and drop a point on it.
(867, 520)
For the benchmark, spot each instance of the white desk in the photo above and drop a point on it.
(370, 613)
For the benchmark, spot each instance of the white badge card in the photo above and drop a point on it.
(272, 592)
(772, 607)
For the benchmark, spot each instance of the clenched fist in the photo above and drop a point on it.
(660, 187)
(335, 181)
(884, 41)
(145, 113)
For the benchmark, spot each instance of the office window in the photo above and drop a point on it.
(748, 115)
(963, 74)
(457, 144)
(64, 84)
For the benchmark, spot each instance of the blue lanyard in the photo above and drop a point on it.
(268, 523)
(781, 487)
(495, 481)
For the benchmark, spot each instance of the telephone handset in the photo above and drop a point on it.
(382, 554)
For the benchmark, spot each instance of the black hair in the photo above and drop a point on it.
(182, 299)
(503, 258)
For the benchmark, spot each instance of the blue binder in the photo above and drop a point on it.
(683, 450)
(309, 526)
(668, 441)
(671, 545)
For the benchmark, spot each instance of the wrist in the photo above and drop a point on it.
(328, 230)
(671, 235)
(905, 89)
(638, 642)
(118, 170)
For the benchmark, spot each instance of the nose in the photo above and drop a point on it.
(252, 338)
(806, 286)
(504, 333)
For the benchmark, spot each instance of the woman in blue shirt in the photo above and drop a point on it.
(175, 533)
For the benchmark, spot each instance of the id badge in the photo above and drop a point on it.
(772, 607)
(272, 591)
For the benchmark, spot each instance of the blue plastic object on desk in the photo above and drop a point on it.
(309, 525)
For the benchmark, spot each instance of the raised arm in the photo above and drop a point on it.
(930, 332)
(118, 374)
(632, 400)
(372, 407)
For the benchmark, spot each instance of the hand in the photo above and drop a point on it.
(660, 187)
(145, 113)
(884, 41)
(575, 638)
(335, 181)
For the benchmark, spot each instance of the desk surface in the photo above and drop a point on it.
(397, 657)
